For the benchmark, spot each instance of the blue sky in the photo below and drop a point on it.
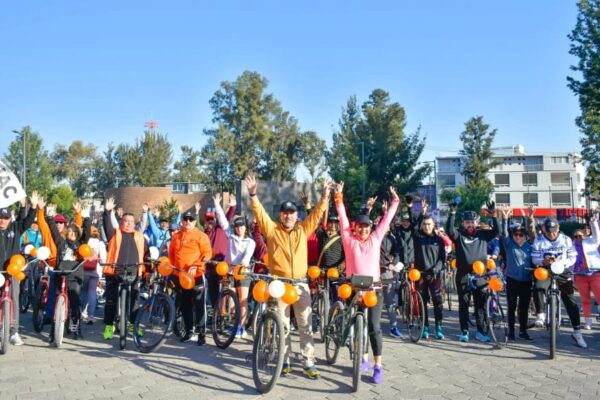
(96, 71)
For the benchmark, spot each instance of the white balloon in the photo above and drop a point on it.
(28, 248)
(399, 266)
(2, 280)
(43, 253)
(154, 253)
(558, 267)
(276, 289)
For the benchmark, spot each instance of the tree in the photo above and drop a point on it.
(585, 45)
(313, 155)
(105, 172)
(63, 197)
(188, 166)
(75, 164)
(147, 163)
(38, 166)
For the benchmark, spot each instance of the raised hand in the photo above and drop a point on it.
(77, 206)
(251, 184)
(120, 212)
(304, 197)
(156, 212)
(506, 211)
(41, 203)
(145, 207)
(339, 187)
(326, 188)
(34, 198)
(51, 210)
(384, 206)
(109, 204)
(232, 200)
(453, 206)
(409, 200)
(179, 208)
(394, 194)
(491, 206)
(424, 206)
(371, 202)
(197, 207)
(217, 198)
(530, 211)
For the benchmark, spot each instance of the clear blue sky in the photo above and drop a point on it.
(97, 70)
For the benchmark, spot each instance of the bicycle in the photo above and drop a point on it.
(226, 313)
(414, 308)
(348, 324)
(449, 282)
(552, 301)
(320, 303)
(494, 316)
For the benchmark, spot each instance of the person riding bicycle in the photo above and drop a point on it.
(10, 234)
(362, 249)
(239, 252)
(287, 257)
(189, 250)
(471, 245)
(126, 246)
(548, 248)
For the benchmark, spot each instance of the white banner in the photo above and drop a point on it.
(11, 190)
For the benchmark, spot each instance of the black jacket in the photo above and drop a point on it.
(388, 256)
(9, 238)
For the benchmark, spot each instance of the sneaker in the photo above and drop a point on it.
(16, 340)
(378, 375)
(188, 335)
(464, 337)
(244, 333)
(90, 322)
(425, 333)
(312, 372)
(482, 337)
(588, 323)
(201, 340)
(578, 338)
(286, 369)
(439, 334)
(511, 336)
(365, 367)
(525, 336)
(238, 333)
(540, 320)
(395, 332)
(108, 332)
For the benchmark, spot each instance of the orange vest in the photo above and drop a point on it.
(114, 246)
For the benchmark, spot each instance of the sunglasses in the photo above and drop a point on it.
(578, 236)
(518, 234)
(189, 219)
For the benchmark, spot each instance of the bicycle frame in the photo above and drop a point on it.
(6, 297)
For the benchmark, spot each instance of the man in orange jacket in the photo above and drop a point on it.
(188, 251)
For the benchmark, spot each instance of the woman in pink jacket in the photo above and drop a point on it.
(362, 250)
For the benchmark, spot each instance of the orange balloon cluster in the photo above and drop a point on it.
(85, 250)
(344, 291)
(491, 264)
(186, 280)
(15, 264)
(260, 292)
(370, 299)
(333, 274)
(478, 267)
(496, 284)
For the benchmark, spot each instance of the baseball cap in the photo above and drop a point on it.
(405, 217)
(363, 220)
(60, 218)
(287, 206)
(551, 224)
(470, 216)
(188, 214)
(208, 215)
(332, 218)
(4, 213)
(239, 221)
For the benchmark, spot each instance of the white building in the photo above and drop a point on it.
(548, 181)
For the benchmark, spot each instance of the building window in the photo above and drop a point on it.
(559, 160)
(446, 180)
(560, 179)
(561, 199)
(501, 180)
(179, 187)
(530, 179)
(530, 198)
(503, 198)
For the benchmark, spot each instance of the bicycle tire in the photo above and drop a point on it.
(39, 306)
(357, 349)
(415, 320)
(405, 294)
(256, 313)
(224, 326)
(496, 321)
(59, 320)
(333, 332)
(553, 325)
(153, 322)
(323, 308)
(123, 319)
(269, 338)
(5, 328)
(24, 296)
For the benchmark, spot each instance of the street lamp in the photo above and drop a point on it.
(23, 171)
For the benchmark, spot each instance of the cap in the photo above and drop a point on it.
(470, 216)
(405, 217)
(209, 215)
(551, 224)
(287, 206)
(163, 219)
(60, 218)
(519, 228)
(363, 220)
(4, 213)
(188, 214)
(332, 218)
(239, 221)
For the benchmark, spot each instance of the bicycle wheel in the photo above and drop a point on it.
(267, 351)
(24, 295)
(59, 320)
(323, 308)
(552, 305)
(496, 321)
(5, 328)
(333, 332)
(123, 319)
(357, 348)
(226, 318)
(259, 308)
(39, 306)
(403, 302)
(153, 322)
(415, 319)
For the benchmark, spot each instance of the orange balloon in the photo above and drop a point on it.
(85, 250)
(260, 292)
(370, 299)
(238, 273)
(164, 260)
(541, 274)
(344, 291)
(222, 268)
(491, 264)
(291, 294)
(20, 276)
(33, 252)
(496, 284)
(186, 280)
(453, 263)
(13, 269)
(165, 269)
(314, 272)
(18, 260)
(333, 274)
(414, 275)
(478, 267)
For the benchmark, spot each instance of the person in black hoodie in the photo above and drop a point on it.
(403, 231)
(471, 245)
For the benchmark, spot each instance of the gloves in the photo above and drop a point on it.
(491, 206)
(453, 206)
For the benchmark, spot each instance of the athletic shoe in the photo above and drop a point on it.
(378, 375)
(395, 332)
(108, 332)
(312, 372)
(201, 340)
(482, 337)
(16, 340)
(286, 369)
(464, 337)
(578, 338)
(588, 323)
(525, 336)
(244, 333)
(188, 335)
(540, 320)
(365, 367)
(439, 334)
(425, 333)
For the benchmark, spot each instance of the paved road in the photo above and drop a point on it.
(95, 369)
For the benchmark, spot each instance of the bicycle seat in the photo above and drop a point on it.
(361, 281)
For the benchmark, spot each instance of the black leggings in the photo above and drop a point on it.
(374, 324)
(518, 292)
(191, 303)
(431, 287)
(464, 299)
(567, 295)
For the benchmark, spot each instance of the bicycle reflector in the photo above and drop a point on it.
(541, 274)
(333, 274)
(222, 268)
(491, 264)
(276, 289)
(370, 299)
(291, 294)
(260, 292)
(314, 272)
(414, 275)
(478, 267)
(496, 284)
(344, 291)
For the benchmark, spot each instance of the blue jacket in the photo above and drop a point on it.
(518, 258)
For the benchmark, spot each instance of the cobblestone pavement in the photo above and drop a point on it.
(96, 369)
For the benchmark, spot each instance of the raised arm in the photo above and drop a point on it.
(107, 218)
(450, 228)
(595, 230)
(341, 211)
(263, 220)
(312, 220)
(384, 225)
(221, 217)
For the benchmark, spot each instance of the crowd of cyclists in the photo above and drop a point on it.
(383, 247)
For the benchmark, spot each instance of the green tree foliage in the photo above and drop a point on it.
(390, 155)
(585, 45)
(75, 164)
(106, 172)
(63, 197)
(38, 166)
(147, 163)
(313, 155)
(187, 169)
(169, 209)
